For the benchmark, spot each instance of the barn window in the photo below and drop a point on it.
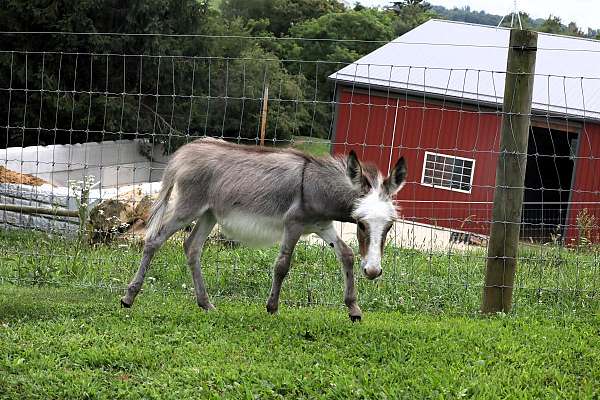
(448, 172)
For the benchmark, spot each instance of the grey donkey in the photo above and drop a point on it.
(261, 196)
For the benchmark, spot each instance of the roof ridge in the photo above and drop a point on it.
(465, 23)
(505, 28)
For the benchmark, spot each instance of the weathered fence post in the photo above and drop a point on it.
(510, 173)
(263, 115)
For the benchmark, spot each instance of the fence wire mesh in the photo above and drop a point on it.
(89, 130)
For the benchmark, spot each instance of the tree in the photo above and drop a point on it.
(410, 14)
(573, 29)
(232, 108)
(369, 28)
(280, 14)
(88, 87)
(399, 6)
(552, 25)
(98, 87)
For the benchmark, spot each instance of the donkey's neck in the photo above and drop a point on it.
(340, 207)
(328, 192)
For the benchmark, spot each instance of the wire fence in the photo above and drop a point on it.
(88, 134)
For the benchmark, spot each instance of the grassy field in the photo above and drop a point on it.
(314, 146)
(549, 280)
(63, 335)
(74, 343)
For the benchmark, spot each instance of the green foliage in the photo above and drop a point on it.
(126, 89)
(280, 14)
(587, 223)
(371, 29)
(552, 25)
(466, 14)
(411, 13)
(64, 112)
(236, 91)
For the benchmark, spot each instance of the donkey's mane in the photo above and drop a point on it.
(257, 149)
(338, 161)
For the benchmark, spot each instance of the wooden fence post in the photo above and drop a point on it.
(263, 116)
(510, 173)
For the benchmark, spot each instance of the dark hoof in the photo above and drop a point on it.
(207, 307)
(271, 310)
(125, 305)
(355, 318)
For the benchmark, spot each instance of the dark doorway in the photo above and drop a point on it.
(550, 164)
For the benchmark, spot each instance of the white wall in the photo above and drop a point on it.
(114, 163)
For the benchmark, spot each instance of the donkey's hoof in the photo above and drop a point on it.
(355, 318)
(207, 307)
(124, 304)
(272, 309)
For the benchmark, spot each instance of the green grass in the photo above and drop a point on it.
(549, 280)
(62, 334)
(77, 343)
(314, 146)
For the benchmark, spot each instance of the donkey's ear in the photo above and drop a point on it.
(395, 181)
(353, 168)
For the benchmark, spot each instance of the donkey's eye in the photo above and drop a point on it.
(361, 226)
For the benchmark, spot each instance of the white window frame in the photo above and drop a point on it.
(444, 187)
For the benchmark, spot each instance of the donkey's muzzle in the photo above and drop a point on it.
(372, 272)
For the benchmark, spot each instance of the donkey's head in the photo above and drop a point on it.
(374, 210)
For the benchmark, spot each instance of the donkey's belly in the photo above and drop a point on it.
(251, 229)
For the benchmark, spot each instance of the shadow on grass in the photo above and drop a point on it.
(19, 303)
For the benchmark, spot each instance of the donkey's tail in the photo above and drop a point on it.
(160, 205)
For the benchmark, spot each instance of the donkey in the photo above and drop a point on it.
(261, 196)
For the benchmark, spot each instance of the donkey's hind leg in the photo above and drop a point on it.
(193, 250)
(152, 244)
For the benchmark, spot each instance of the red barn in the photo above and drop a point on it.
(435, 96)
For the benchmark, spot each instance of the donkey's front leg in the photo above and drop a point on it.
(346, 257)
(291, 235)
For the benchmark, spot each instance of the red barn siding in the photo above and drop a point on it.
(365, 123)
(374, 124)
(586, 189)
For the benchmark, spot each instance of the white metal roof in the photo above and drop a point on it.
(467, 62)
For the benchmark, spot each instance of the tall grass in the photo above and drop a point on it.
(550, 279)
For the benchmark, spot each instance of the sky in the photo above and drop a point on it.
(586, 13)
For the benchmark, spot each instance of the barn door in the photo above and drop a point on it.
(548, 182)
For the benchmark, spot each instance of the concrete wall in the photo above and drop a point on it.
(113, 163)
(38, 196)
(118, 166)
